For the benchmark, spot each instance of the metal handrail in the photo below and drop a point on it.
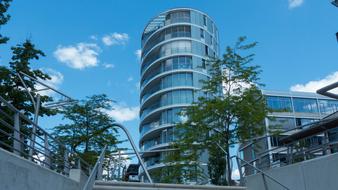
(305, 148)
(96, 171)
(56, 155)
(135, 150)
(261, 171)
(240, 168)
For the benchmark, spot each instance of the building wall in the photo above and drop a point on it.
(320, 173)
(175, 48)
(18, 173)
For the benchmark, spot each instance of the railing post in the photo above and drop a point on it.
(66, 163)
(16, 134)
(326, 143)
(36, 115)
(99, 170)
(79, 163)
(239, 165)
(47, 153)
(264, 182)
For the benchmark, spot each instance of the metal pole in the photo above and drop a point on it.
(119, 162)
(100, 169)
(43, 84)
(16, 134)
(135, 149)
(47, 153)
(66, 163)
(36, 115)
(239, 165)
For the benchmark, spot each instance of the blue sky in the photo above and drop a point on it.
(91, 45)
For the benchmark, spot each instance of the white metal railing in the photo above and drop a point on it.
(17, 136)
(96, 173)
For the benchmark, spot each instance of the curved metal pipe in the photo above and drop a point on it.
(135, 150)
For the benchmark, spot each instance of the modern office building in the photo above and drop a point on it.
(175, 47)
(290, 113)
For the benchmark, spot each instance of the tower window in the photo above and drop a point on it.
(202, 33)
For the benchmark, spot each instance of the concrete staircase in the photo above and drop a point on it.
(109, 185)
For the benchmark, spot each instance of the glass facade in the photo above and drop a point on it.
(289, 113)
(175, 47)
(279, 104)
(296, 110)
(305, 105)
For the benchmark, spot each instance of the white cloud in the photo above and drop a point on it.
(108, 66)
(81, 56)
(130, 79)
(115, 39)
(55, 81)
(235, 174)
(123, 113)
(93, 37)
(138, 54)
(295, 3)
(313, 86)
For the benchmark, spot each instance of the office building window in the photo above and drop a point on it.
(305, 105)
(328, 106)
(283, 123)
(279, 104)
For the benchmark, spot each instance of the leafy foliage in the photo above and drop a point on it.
(231, 110)
(13, 90)
(11, 87)
(4, 18)
(89, 128)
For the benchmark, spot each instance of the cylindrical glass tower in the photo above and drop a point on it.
(175, 47)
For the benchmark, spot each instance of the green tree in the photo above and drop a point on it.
(4, 18)
(231, 111)
(13, 90)
(89, 128)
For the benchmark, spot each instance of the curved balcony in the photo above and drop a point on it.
(159, 76)
(154, 146)
(170, 80)
(154, 126)
(213, 35)
(183, 46)
(177, 39)
(166, 73)
(167, 33)
(159, 22)
(160, 92)
(148, 132)
(167, 57)
(157, 107)
(166, 48)
(174, 63)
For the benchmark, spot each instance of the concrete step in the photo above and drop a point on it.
(112, 185)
